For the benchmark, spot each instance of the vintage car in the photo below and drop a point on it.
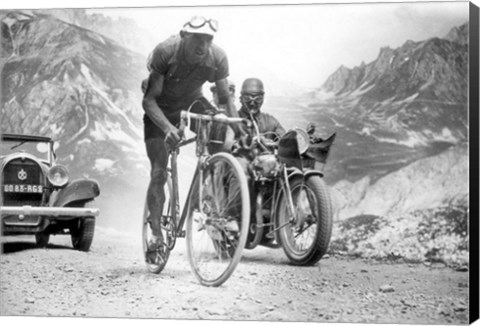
(37, 196)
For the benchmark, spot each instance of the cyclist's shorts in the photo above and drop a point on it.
(151, 130)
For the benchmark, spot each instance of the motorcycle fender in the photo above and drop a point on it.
(293, 172)
(310, 173)
(77, 190)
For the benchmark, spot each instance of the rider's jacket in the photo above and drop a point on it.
(266, 122)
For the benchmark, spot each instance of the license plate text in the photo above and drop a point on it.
(23, 188)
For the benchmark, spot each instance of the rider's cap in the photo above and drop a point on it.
(252, 86)
(231, 87)
(201, 25)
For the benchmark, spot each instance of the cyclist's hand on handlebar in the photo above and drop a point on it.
(173, 137)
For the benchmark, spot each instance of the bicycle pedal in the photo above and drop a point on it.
(181, 234)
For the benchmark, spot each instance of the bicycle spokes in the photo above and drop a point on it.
(215, 227)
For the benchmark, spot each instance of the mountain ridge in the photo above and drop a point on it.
(72, 84)
(407, 106)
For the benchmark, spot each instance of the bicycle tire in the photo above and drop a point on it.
(214, 246)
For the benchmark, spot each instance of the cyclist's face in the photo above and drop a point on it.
(196, 46)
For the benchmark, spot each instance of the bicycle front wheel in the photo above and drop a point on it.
(218, 219)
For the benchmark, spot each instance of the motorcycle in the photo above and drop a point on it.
(291, 204)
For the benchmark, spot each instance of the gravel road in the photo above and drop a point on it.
(111, 281)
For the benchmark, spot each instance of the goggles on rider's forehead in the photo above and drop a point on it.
(199, 21)
(252, 97)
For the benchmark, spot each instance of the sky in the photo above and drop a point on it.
(305, 44)
(302, 43)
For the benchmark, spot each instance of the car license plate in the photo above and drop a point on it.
(36, 189)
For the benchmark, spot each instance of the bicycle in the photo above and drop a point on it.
(216, 210)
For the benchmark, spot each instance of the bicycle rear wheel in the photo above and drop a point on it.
(156, 261)
(217, 220)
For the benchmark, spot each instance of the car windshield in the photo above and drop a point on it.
(38, 149)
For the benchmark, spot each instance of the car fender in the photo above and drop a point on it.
(77, 190)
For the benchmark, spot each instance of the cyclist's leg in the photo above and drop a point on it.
(158, 156)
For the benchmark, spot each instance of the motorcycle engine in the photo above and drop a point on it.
(265, 166)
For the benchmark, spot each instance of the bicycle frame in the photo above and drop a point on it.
(176, 207)
(201, 140)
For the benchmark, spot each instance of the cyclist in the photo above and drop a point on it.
(178, 67)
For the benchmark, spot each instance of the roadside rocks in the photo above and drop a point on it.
(387, 288)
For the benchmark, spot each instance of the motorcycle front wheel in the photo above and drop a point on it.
(306, 235)
(217, 220)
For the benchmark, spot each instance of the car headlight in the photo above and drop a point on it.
(303, 140)
(58, 175)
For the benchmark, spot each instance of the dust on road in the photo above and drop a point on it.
(111, 281)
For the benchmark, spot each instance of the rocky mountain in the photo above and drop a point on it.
(401, 120)
(123, 30)
(436, 181)
(80, 88)
(398, 119)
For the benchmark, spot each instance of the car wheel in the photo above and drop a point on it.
(82, 231)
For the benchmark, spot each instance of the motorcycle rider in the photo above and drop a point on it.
(178, 66)
(251, 97)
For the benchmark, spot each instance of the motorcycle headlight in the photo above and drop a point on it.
(303, 140)
(58, 175)
(266, 165)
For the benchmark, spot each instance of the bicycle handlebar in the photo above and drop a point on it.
(217, 118)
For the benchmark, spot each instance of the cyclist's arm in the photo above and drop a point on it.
(153, 91)
(225, 98)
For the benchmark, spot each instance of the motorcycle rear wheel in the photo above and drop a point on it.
(305, 239)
